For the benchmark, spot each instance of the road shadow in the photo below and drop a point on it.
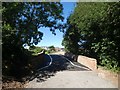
(59, 63)
(74, 61)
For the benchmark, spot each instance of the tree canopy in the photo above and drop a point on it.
(24, 20)
(98, 31)
(21, 23)
(51, 48)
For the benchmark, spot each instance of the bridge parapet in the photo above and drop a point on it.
(89, 62)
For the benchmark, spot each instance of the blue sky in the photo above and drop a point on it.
(48, 38)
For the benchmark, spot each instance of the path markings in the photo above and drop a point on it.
(51, 60)
(74, 64)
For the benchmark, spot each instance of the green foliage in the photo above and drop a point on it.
(71, 39)
(51, 48)
(35, 50)
(21, 23)
(98, 31)
(47, 52)
(27, 18)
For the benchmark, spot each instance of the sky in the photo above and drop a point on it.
(50, 39)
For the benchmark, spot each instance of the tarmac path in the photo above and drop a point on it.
(59, 72)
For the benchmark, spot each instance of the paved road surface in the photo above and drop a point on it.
(62, 74)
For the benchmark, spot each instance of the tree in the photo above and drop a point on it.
(51, 48)
(71, 39)
(84, 18)
(21, 23)
(98, 27)
(27, 18)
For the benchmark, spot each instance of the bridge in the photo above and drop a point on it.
(61, 72)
